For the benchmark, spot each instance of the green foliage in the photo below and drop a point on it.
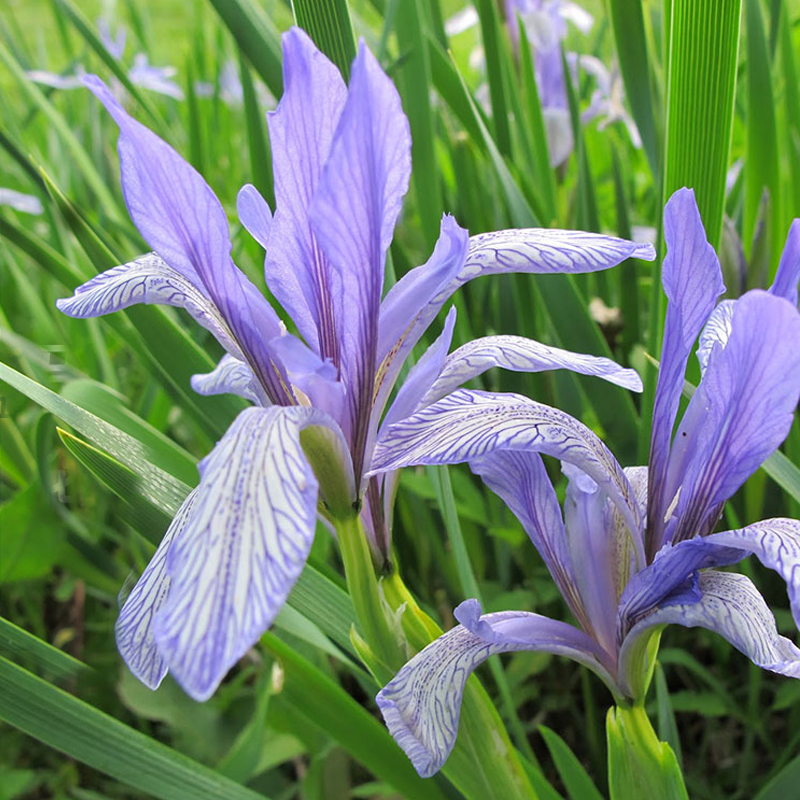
(100, 433)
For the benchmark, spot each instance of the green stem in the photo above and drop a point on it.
(372, 612)
(639, 765)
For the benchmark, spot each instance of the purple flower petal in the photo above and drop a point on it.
(180, 217)
(242, 547)
(741, 412)
(775, 542)
(597, 553)
(716, 333)
(231, 376)
(134, 628)
(729, 605)
(353, 216)
(422, 703)
(301, 133)
(468, 424)
(422, 375)
(520, 479)
(692, 281)
(254, 213)
(149, 280)
(411, 294)
(788, 274)
(519, 354)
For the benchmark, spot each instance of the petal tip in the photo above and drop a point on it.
(423, 761)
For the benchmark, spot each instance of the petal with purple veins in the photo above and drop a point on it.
(149, 280)
(692, 281)
(301, 133)
(716, 333)
(242, 547)
(724, 603)
(519, 354)
(741, 412)
(231, 376)
(353, 215)
(422, 703)
(468, 424)
(180, 217)
(134, 628)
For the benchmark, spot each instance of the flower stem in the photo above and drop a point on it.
(373, 616)
(639, 765)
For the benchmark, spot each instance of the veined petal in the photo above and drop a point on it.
(181, 218)
(231, 376)
(422, 375)
(404, 314)
(519, 354)
(301, 133)
(594, 553)
(134, 628)
(692, 280)
(422, 703)
(729, 605)
(741, 412)
(411, 294)
(788, 274)
(242, 547)
(353, 216)
(532, 250)
(716, 332)
(520, 479)
(149, 280)
(254, 213)
(468, 424)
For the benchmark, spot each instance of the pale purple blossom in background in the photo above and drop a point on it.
(633, 549)
(342, 163)
(26, 203)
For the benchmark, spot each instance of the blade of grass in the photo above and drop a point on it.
(414, 76)
(761, 155)
(492, 42)
(94, 738)
(327, 22)
(627, 20)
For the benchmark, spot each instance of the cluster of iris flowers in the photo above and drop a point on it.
(331, 424)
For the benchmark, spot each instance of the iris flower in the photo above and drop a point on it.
(341, 160)
(546, 26)
(633, 548)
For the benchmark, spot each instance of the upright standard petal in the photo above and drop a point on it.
(301, 133)
(726, 604)
(353, 216)
(422, 703)
(741, 412)
(519, 354)
(242, 547)
(788, 274)
(468, 424)
(181, 218)
(692, 280)
(422, 375)
(134, 628)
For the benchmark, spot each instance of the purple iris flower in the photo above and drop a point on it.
(341, 159)
(545, 23)
(631, 550)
